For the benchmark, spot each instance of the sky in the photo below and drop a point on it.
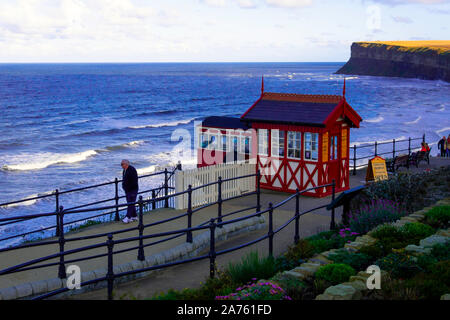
(210, 30)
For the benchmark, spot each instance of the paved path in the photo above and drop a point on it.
(187, 275)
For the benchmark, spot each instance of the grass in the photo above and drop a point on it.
(439, 46)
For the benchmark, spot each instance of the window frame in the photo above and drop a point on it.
(311, 149)
(263, 142)
(299, 145)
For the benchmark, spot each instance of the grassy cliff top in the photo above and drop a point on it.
(440, 46)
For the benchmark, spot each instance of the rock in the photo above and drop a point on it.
(326, 254)
(353, 246)
(320, 260)
(324, 297)
(417, 250)
(307, 269)
(444, 233)
(24, 290)
(446, 296)
(343, 292)
(9, 293)
(297, 275)
(357, 284)
(432, 240)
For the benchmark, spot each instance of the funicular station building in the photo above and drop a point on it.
(297, 141)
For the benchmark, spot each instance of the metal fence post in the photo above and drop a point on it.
(62, 268)
(393, 149)
(409, 146)
(270, 233)
(354, 160)
(166, 188)
(423, 138)
(141, 256)
(212, 249)
(57, 212)
(376, 148)
(333, 223)
(153, 198)
(110, 274)
(258, 192)
(297, 217)
(219, 201)
(189, 215)
(116, 184)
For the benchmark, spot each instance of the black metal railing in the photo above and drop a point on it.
(211, 224)
(168, 185)
(387, 151)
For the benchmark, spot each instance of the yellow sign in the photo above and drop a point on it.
(325, 147)
(344, 143)
(376, 171)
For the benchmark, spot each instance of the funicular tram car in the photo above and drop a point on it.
(296, 140)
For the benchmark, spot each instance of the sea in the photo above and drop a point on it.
(67, 126)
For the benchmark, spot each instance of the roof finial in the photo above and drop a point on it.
(343, 92)
(262, 85)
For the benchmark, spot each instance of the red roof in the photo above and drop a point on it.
(301, 109)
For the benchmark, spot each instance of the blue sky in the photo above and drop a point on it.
(209, 30)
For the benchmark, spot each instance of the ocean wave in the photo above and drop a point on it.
(122, 146)
(439, 132)
(164, 124)
(375, 120)
(362, 143)
(28, 202)
(44, 160)
(415, 121)
(147, 170)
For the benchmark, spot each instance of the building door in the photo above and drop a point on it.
(334, 162)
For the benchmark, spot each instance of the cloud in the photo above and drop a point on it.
(289, 3)
(402, 19)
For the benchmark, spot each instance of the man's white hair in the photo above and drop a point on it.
(125, 161)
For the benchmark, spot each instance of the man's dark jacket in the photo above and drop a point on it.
(130, 179)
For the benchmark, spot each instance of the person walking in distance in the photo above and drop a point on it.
(442, 145)
(448, 147)
(131, 188)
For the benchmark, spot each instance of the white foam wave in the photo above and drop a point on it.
(164, 124)
(442, 130)
(44, 160)
(375, 120)
(415, 121)
(359, 143)
(28, 202)
(147, 170)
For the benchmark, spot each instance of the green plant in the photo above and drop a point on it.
(438, 217)
(294, 288)
(300, 251)
(441, 251)
(257, 291)
(335, 273)
(374, 251)
(400, 265)
(416, 231)
(377, 212)
(251, 266)
(357, 260)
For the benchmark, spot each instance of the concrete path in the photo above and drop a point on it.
(187, 275)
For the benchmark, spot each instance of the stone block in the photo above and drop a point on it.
(432, 240)
(150, 261)
(39, 287)
(324, 297)
(9, 293)
(295, 274)
(24, 290)
(326, 254)
(358, 278)
(307, 271)
(445, 296)
(320, 260)
(136, 265)
(159, 258)
(417, 250)
(357, 284)
(444, 233)
(343, 292)
(54, 284)
(100, 273)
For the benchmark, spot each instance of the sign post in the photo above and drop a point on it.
(376, 170)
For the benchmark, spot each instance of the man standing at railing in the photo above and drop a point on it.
(131, 187)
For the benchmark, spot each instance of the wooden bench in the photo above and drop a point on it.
(392, 165)
(417, 157)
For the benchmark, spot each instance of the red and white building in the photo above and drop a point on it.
(297, 141)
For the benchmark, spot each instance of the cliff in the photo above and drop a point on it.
(409, 59)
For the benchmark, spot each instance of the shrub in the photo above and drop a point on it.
(335, 273)
(427, 286)
(328, 240)
(438, 217)
(374, 251)
(416, 231)
(251, 266)
(294, 288)
(300, 251)
(257, 291)
(399, 265)
(378, 212)
(441, 251)
(358, 261)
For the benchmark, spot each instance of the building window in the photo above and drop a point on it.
(333, 148)
(263, 142)
(311, 146)
(204, 140)
(225, 146)
(248, 145)
(212, 144)
(294, 144)
(278, 143)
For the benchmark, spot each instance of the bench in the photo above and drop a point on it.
(399, 161)
(418, 156)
